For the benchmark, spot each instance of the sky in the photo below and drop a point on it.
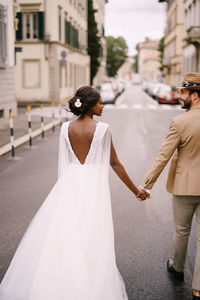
(135, 20)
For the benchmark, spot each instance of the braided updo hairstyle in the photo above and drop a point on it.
(85, 98)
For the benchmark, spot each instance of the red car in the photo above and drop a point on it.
(167, 95)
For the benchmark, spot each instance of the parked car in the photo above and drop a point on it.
(149, 86)
(107, 92)
(115, 86)
(155, 89)
(121, 85)
(167, 95)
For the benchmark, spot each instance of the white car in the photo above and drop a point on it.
(107, 93)
(121, 85)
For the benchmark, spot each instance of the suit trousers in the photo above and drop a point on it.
(184, 208)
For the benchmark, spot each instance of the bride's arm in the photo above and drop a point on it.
(121, 172)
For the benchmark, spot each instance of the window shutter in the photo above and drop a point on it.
(77, 43)
(19, 35)
(65, 32)
(77, 38)
(41, 26)
(68, 32)
(71, 35)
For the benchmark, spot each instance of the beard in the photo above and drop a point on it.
(185, 104)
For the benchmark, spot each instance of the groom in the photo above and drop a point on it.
(183, 140)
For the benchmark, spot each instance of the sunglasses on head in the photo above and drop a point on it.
(189, 84)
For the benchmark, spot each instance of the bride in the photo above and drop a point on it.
(67, 251)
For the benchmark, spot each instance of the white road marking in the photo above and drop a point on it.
(142, 107)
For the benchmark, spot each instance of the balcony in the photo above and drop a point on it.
(193, 34)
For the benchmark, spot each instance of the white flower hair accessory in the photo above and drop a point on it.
(78, 103)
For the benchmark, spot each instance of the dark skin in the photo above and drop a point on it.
(81, 132)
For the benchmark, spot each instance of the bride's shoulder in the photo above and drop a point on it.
(64, 124)
(64, 127)
(104, 124)
(105, 127)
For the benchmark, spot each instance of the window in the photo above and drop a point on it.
(31, 75)
(3, 36)
(66, 75)
(60, 76)
(30, 26)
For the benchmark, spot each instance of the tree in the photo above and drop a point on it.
(94, 44)
(161, 49)
(117, 50)
(135, 64)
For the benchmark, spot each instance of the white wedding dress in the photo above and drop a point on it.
(67, 251)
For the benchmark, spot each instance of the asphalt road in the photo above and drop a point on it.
(143, 231)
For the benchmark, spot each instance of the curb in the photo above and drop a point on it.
(25, 138)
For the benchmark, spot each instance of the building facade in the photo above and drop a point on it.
(149, 60)
(191, 43)
(99, 5)
(53, 61)
(7, 88)
(173, 42)
(126, 69)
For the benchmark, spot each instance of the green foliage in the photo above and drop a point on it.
(94, 44)
(161, 49)
(135, 64)
(117, 50)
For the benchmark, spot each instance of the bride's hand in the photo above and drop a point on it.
(142, 195)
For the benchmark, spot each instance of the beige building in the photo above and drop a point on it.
(173, 42)
(99, 5)
(149, 60)
(126, 69)
(54, 62)
(7, 88)
(191, 44)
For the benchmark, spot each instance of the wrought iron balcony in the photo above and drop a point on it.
(193, 33)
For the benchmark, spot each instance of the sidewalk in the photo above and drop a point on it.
(20, 125)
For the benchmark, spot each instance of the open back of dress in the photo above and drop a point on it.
(67, 252)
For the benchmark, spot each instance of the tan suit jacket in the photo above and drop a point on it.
(182, 140)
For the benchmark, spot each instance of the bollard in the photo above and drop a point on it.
(42, 119)
(29, 125)
(59, 111)
(53, 115)
(11, 133)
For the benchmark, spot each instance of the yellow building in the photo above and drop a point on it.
(7, 87)
(149, 60)
(191, 51)
(173, 42)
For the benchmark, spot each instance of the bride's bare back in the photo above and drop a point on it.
(81, 133)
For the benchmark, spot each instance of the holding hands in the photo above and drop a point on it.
(142, 194)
